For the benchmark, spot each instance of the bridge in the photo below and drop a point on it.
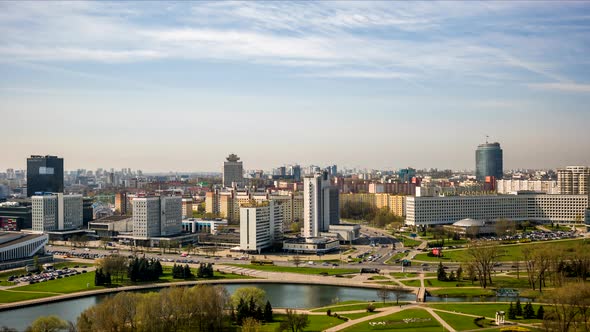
(421, 296)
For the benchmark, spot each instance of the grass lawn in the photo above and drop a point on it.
(316, 323)
(402, 275)
(356, 306)
(82, 282)
(412, 283)
(301, 269)
(399, 255)
(65, 285)
(395, 322)
(463, 323)
(486, 310)
(359, 315)
(409, 242)
(378, 278)
(512, 252)
(462, 291)
(9, 297)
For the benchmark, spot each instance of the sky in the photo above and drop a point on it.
(164, 86)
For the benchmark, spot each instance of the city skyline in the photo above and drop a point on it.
(385, 85)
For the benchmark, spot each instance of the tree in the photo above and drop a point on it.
(483, 256)
(504, 227)
(370, 307)
(459, 273)
(569, 304)
(47, 324)
(248, 294)
(441, 274)
(540, 312)
(294, 322)
(295, 227)
(528, 312)
(251, 325)
(115, 265)
(518, 308)
(268, 312)
(511, 312)
(397, 292)
(297, 260)
(384, 293)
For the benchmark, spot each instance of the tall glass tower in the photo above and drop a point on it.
(488, 161)
(45, 174)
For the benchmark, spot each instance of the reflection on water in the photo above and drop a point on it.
(280, 295)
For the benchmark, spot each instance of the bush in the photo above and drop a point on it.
(329, 312)
(370, 307)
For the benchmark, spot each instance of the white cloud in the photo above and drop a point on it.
(565, 87)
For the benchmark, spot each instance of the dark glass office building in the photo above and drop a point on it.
(45, 174)
(488, 161)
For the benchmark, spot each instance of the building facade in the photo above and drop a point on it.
(233, 171)
(521, 207)
(510, 186)
(56, 212)
(260, 225)
(45, 174)
(573, 180)
(17, 246)
(157, 216)
(321, 204)
(488, 161)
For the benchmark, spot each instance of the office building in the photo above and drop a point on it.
(45, 174)
(155, 216)
(406, 174)
(321, 207)
(233, 172)
(260, 225)
(488, 161)
(18, 246)
(573, 180)
(296, 173)
(56, 212)
(521, 207)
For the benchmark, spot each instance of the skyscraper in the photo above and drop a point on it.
(45, 174)
(233, 171)
(488, 161)
(296, 172)
(573, 180)
(320, 204)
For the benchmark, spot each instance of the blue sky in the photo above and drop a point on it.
(178, 86)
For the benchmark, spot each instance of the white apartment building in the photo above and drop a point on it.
(511, 186)
(320, 205)
(56, 212)
(157, 216)
(260, 225)
(574, 180)
(521, 207)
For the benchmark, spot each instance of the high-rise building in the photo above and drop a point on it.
(157, 216)
(488, 161)
(56, 211)
(233, 172)
(320, 201)
(296, 172)
(261, 225)
(573, 180)
(45, 174)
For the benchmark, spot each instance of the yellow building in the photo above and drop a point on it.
(394, 203)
